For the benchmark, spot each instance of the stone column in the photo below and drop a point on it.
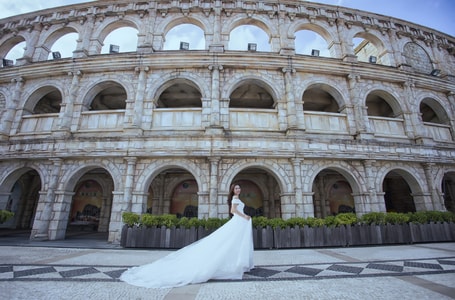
(129, 178)
(412, 125)
(308, 206)
(66, 118)
(290, 98)
(372, 200)
(451, 112)
(135, 108)
(299, 209)
(60, 214)
(216, 43)
(437, 200)
(215, 97)
(83, 45)
(116, 223)
(213, 193)
(44, 210)
(360, 117)
(8, 120)
(287, 207)
(269, 206)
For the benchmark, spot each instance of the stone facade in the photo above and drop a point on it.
(307, 135)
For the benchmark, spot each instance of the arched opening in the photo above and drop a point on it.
(260, 193)
(432, 112)
(241, 36)
(91, 203)
(332, 194)
(184, 201)
(379, 104)
(13, 50)
(448, 189)
(23, 200)
(308, 42)
(173, 191)
(318, 98)
(251, 94)
(65, 46)
(124, 37)
(397, 193)
(110, 96)
(49, 103)
(182, 93)
(187, 33)
(368, 48)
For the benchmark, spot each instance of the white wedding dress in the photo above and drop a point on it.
(225, 254)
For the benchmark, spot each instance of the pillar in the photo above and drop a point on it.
(129, 178)
(44, 210)
(299, 209)
(437, 200)
(213, 189)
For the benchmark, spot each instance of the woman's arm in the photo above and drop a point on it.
(235, 211)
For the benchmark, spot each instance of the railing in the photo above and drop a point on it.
(102, 120)
(388, 127)
(323, 122)
(177, 118)
(38, 123)
(253, 119)
(439, 132)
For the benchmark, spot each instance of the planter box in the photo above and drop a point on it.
(296, 237)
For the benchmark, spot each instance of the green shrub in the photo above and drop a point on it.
(346, 219)
(260, 222)
(5, 215)
(130, 218)
(277, 223)
(419, 217)
(314, 222)
(377, 218)
(214, 223)
(292, 222)
(396, 218)
(330, 221)
(149, 220)
(195, 222)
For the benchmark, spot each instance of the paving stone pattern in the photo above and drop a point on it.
(39, 272)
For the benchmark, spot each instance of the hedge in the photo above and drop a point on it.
(378, 218)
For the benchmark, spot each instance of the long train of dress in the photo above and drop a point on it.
(225, 254)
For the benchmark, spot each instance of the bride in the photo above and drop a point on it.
(225, 254)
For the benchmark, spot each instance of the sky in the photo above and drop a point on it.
(435, 14)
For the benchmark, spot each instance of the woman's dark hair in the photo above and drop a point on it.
(231, 194)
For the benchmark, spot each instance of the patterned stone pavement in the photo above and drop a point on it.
(87, 269)
(43, 272)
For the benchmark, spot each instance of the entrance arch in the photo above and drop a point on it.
(448, 189)
(333, 194)
(398, 194)
(20, 195)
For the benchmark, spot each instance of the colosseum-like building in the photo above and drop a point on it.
(369, 127)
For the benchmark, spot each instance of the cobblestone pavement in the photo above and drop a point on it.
(421, 271)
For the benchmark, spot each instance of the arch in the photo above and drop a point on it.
(46, 99)
(375, 101)
(276, 170)
(167, 80)
(76, 170)
(354, 178)
(372, 45)
(433, 112)
(49, 40)
(98, 94)
(251, 34)
(321, 97)
(179, 92)
(252, 93)
(318, 29)
(260, 21)
(262, 81)
(7, 45)
(153, 169)
(189, 33)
